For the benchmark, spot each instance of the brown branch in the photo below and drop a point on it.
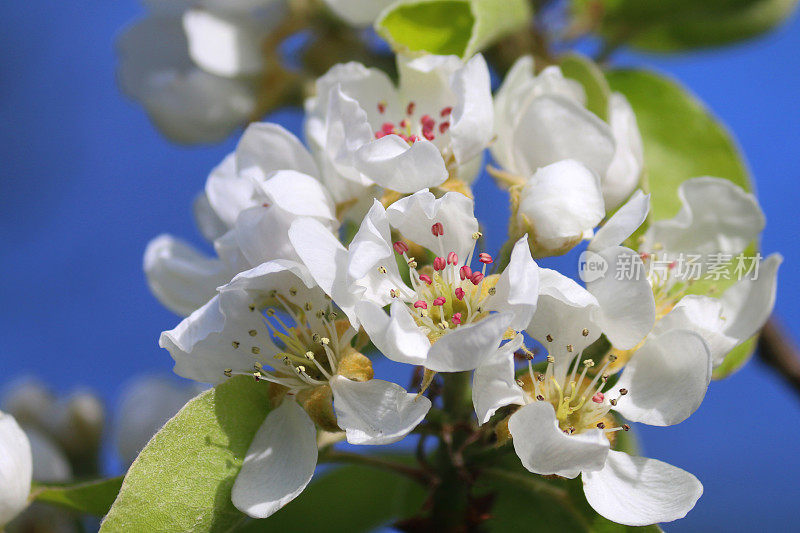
(778, 350)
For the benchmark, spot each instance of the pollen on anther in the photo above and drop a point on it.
(601, 425)
(427, 279)
(485, 258)
(612, 401)
(570, 348)
(439, 263)
(540, 397)
(549, 338)
(598, 397)
(440, 300)
(235, 344)
(400, 247)
(252, 333)
(382, 269)
(623, 392)
(256, 350)
(585, 332)
(437, 229)
(459, 292)
(626, 427)
(420, 304)
(228, 372)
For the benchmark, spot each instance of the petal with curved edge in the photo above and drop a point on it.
(625, 169)
(746, 306)
(414, 215)
(637, 491)
(261, 233)
(347, 129)
(371, 250)
(702, 315)
(494, 383)
(396, 165)
(279, 463)
(396, 335)
(517, 289)
(181, 277)
(473, 114)
(563, 311)
(716, 216)
(229, 193)
(623, 223)
(208, 222)
(553, 128)
(327, 260)
(561, 202)
(507, 102)
(16, 467)
(467, 347)
(300, 195)
(224, 44)
(627, 307)
(544, 449)
(376, 412)
(266, 148)
(666, 379)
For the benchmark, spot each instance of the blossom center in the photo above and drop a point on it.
(412, 126)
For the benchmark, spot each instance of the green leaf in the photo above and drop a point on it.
(459, 27)
(349, 499)
(585, 71)
(682, 140)
(91, 497)
(182, 479)
(675, 25)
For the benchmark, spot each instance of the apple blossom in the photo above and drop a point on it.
(542, 119)
(316, 375)
(250, 200)
(433, 126)
(448, 317)
(564, 424)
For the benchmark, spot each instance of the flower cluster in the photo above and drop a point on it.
(366, 241)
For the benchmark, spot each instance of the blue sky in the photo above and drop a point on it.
(87, 182)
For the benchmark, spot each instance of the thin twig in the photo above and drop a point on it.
(777, 349)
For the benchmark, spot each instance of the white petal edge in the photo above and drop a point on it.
(494, 383)
(16, 467)
(279, 463)
(637, 491)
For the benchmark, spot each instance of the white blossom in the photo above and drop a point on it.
(16, 468)
(448, 318)
(273, 323)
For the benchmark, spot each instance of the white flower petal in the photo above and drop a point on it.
(564, 309)
(544, 449)
(625, 169)
(517, 289)
(701, 315)
(180, 277)
(395, 335)
(413, 216)
(266, 147)
(716, 216)
(376, 411)
(553, 128)
(224, 44)
(427, 81)
(637, 491)
(625, 297)
(561, 202)
(208, 222)
(494, 383)
(327, 260)
(279, 463)
(623, 223)
(394, 164)
(508, 100)
(473, 115)
(300, 195)
(666, 378)
(467, 347)
(370, 250)
(747, 305)
(16, 468)
(347, 129)
(261, 233)
(229, 193)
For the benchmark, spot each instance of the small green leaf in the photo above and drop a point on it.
(182, 479)
(349, 499)
(682, 140)
(459, 27)
(675, 25)
(585, 71)
(91, 497)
